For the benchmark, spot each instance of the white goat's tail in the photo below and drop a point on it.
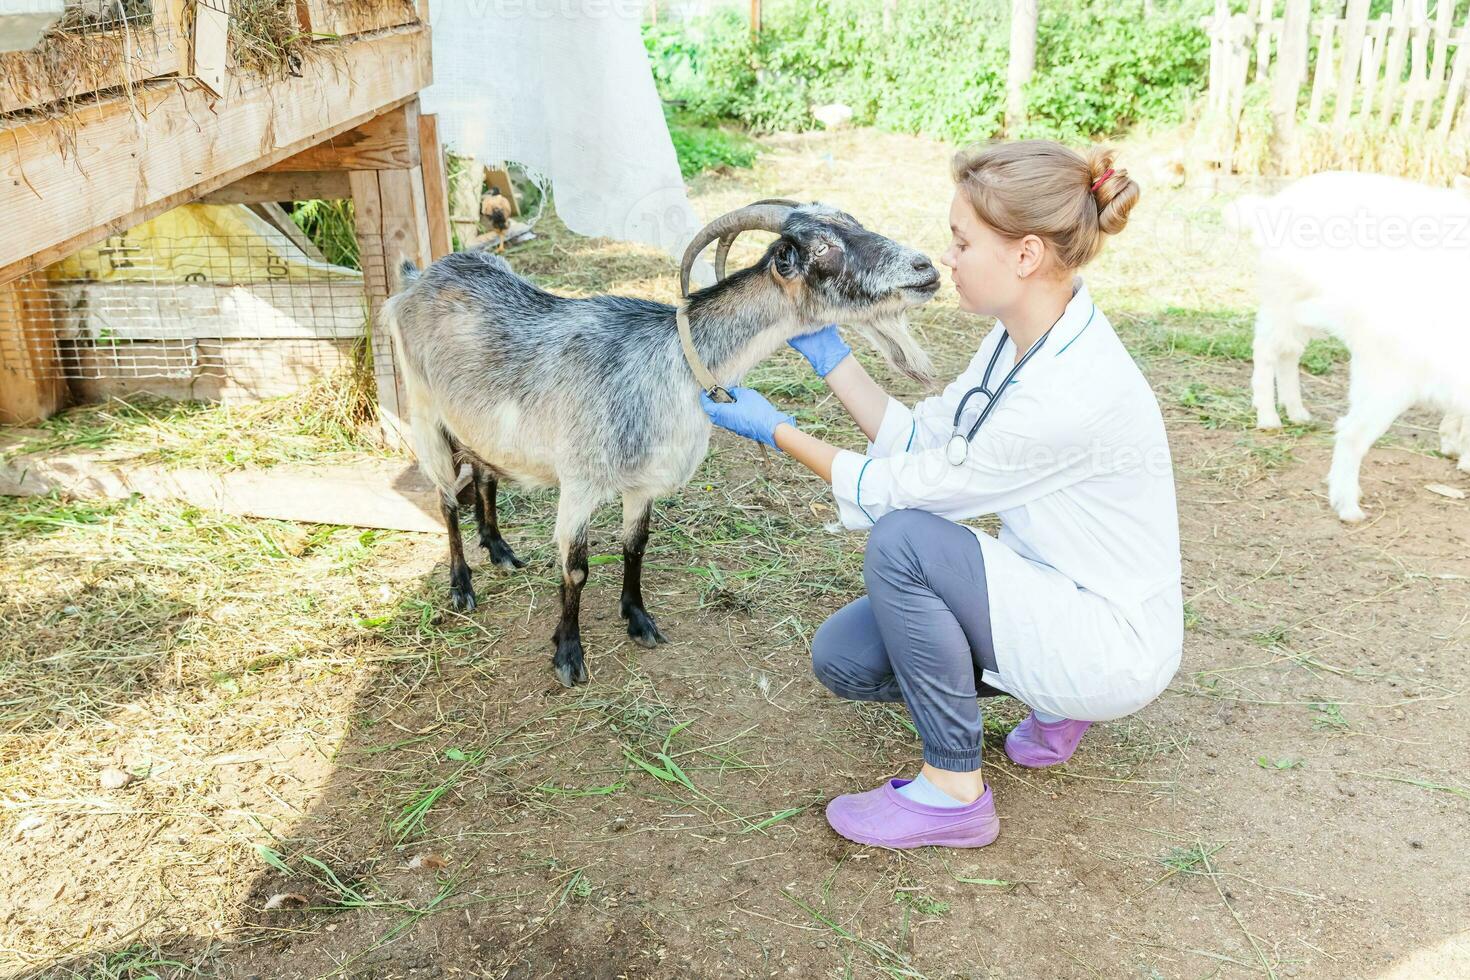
(428, 434)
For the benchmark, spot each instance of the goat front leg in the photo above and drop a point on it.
(636, 513)
(1263, 373)
(488, 521)
(573, 511)
(1374, 402)
(461, 590)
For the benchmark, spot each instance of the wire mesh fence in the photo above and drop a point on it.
(208, 301)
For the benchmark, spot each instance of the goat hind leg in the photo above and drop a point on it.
(1289, 383)
(486, 488)
(636, 513)
(573, 511)
(1454, 438)
(461, 589)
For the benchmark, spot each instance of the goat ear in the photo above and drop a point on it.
(787, 260)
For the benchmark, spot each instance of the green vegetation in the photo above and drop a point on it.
(703, 146)
(937, 69)
(329, 226)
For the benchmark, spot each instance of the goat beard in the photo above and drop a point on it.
(890, 334)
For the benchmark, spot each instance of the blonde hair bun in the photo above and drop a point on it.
(1042, 188)
(1115, 195)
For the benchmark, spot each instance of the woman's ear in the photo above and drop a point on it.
(1031, 254)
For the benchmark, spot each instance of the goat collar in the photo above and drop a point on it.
(701, 373)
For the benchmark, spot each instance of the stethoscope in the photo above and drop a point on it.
(958, 446)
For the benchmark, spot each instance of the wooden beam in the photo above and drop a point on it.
(387, 142)
(436, 191)
(392, 225)
(31, 383)
(277, 217)
(73, 65)
(369, 493)
(125, 167)
(345, 17)
(331, 185)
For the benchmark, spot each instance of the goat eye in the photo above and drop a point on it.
(820, 248)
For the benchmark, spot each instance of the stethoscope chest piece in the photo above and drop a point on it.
(957, 449)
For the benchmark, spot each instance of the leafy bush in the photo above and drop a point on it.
(329, 225)
(703, 147)
(939, 69)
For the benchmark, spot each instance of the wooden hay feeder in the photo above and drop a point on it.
(117, 118)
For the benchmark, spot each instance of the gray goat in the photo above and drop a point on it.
(596, 395)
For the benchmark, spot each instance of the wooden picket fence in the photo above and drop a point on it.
(1292, 93)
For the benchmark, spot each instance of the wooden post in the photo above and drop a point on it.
(1457, 79)
(1444, 20)
(436, 193)
(1022, 61)
(1393, 62)
(32, 386)
(392, 221)
(1373, 63)
(1322, 74)
(1352, 53)
(1418, 61)
(464, 198)
(1287, 83)
(1219, 27)
(1261, 13)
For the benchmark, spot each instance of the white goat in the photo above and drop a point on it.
(1379, 263)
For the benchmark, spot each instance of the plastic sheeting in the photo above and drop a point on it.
(563, 88)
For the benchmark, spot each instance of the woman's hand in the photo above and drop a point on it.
(749, 415)
(823, 349)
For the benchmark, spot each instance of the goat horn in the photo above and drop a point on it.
(767, 215)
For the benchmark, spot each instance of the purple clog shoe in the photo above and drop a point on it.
(1038, 744)
(884, 817)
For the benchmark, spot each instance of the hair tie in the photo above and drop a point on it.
(1099, 182)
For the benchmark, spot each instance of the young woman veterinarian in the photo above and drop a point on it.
(1076, 608)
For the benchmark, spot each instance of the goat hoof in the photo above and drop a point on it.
(570, 675)
(500, 554)
(1272, 421)
(642, 629)
(463, 600)
(1300, 418)
(570, 664)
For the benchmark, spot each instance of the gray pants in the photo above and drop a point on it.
(921, 635)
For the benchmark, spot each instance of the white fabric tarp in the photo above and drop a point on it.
(563, 88)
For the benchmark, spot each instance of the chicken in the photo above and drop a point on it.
(496, 208)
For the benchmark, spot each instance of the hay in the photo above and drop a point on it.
(87, 56)
(81, 56)
(266, 37)
(1417, 152)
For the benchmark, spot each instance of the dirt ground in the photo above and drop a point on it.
(330, 774)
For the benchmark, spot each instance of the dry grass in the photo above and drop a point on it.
(332, 419)
(266, 37)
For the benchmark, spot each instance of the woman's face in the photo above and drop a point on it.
(987, 270)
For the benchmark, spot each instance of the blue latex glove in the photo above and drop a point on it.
(823, 349)
(749, 415)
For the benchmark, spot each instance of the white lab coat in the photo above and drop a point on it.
(1086, 611)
